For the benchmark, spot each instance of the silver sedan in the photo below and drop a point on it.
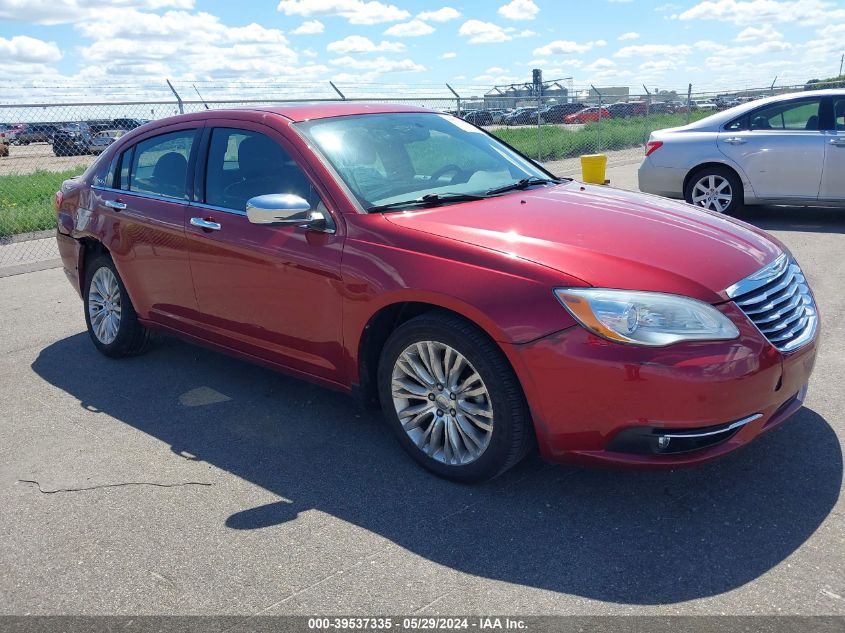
(788, 149)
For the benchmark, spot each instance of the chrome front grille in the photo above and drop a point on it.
(778, 301)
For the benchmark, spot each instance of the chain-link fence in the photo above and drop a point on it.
(43, 144)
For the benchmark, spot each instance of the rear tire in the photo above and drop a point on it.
(111, 319)
(464, 416)
(715, 188)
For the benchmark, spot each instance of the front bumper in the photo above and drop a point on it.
(584, 392)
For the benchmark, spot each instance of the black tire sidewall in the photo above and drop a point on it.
(723, 172)
(489, 363)
(128, 329)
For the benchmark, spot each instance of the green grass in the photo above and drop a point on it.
(556, 142)
(26, 201)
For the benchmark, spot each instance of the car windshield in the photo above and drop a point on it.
(385, 159)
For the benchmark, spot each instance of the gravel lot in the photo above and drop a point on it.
(190, 482)
(25, 159)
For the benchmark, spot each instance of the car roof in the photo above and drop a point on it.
(730, 114)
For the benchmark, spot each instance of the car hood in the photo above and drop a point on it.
(608, 238)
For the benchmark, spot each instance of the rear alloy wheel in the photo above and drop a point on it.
(112, 323)
(452, 398)
(715, 188)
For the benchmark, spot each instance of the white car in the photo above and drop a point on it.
(704, 105)
(788, 149)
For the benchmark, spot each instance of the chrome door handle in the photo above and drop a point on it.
(838, 142)
(205, 224)
(115, 204)
(735, 140)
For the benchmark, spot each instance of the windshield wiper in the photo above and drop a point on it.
(522, 184)
(428, 200)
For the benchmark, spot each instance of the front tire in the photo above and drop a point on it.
(111, 319)
(715, 188)
(452, 398)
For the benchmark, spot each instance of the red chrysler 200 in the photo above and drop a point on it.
(413, 260)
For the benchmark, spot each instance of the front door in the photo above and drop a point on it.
(780, 148)
(272, 291)
(833, 178)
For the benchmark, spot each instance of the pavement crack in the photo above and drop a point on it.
(117, 485)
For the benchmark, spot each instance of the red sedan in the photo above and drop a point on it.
(412, 260)
(587, 115)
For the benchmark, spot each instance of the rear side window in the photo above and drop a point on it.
(104, 176)
(800, 115)
(243, 164)
(160, 165)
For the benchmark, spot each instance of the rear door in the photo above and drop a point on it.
(833, 179)
(780, 147)
(142, 211)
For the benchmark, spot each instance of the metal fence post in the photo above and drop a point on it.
(178, 98)
(539, 154)
(689, 102)
(457, 99)
(598, 140)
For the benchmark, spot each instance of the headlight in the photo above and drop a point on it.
(645, 318)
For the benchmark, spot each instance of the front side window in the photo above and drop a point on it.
(243, 164)
(801, 115)
(387, 158)
(839, 114)
(160, 165)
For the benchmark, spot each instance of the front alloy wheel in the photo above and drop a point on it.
(452, 398)
(442, 403)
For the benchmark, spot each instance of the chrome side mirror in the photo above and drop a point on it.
(278, 208)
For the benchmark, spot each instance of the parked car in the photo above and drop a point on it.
(788, 149)
(497, 115)
(659, 107)
(521, 116)
(485, 304)
(593, 113)
(627, 109)
(703, 104)
(556, 113)
(479, 117)
(71, 139)
(101, 140)
(33, 133)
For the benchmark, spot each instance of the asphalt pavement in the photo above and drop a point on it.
(184, 481)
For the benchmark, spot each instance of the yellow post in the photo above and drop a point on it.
(593, 168)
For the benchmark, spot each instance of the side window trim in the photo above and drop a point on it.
(748, 116)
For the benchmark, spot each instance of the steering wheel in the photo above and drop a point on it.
(241, 189)
(450, 168)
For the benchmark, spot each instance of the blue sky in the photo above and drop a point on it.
(103, 47)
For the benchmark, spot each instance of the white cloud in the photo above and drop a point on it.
(480, 32)
(360, 44)
(309, 27)
(379, 64)
(414, 28)
(657, 66)
(752, 33)
(519, 10)
(765, 11)
(68, 11)
(566, 47)
(526, 33)
(449, 55)
(355, 11)
(652, 50)
(630, 35)
(25, 49)
(441, 15)
(602, 63)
